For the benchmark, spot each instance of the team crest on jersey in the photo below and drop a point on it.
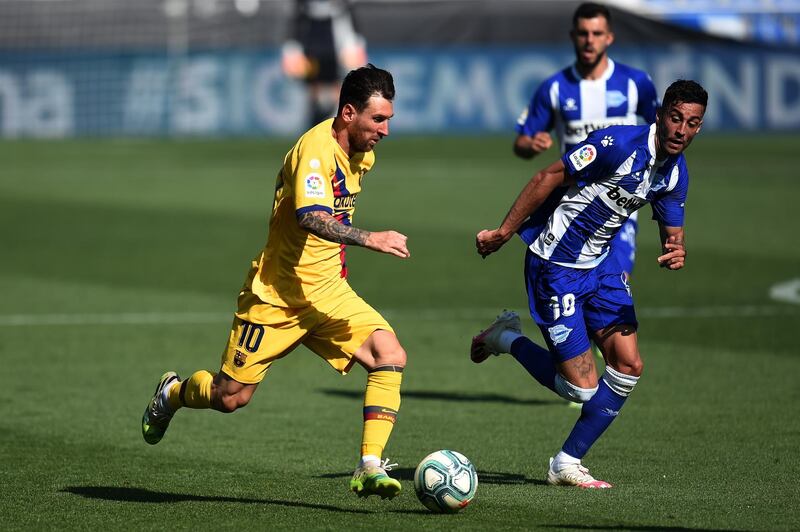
(559, 333)
(315, 186)
(615, 98)
(583, 157)
(570, 105)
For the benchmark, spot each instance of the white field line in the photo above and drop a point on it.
(456, 314)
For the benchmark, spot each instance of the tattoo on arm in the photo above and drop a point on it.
(326, 226)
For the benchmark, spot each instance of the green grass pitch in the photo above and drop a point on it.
(121, 259)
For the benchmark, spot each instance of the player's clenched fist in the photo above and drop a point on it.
(390, 242)
(489, 241)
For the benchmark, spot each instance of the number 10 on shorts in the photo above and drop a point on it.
(565, 307)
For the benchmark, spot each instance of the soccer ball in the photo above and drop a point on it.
(445, 481)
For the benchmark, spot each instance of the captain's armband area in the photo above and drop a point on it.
(325, 226)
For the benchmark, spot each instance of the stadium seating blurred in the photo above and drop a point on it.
(212, 67)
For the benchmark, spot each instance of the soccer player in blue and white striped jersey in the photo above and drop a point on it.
(575, 289)
(593, 93)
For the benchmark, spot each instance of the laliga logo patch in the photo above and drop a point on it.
(583, 157)
(315, 186)
(559, 333)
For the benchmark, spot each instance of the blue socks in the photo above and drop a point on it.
(536, 360)
(596, 415)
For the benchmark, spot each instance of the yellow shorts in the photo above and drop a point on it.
(333, 327)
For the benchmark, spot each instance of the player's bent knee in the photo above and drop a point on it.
(231, 402)
(573, 393)
(633, 367)
(396, 356)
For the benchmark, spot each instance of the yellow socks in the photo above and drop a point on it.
(381, 402)
(194, 392)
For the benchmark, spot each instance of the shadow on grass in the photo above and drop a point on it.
(125, 494)
(643, 528)
(449, 396)
(484, 477)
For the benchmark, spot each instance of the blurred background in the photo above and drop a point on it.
(140, 144)
(219, 67)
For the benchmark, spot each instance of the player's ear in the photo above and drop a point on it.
(348, 112)
(610, 38)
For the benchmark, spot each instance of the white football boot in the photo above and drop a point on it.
(486, 343)
(573, 475)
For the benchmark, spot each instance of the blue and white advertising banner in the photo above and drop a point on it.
(459, 90)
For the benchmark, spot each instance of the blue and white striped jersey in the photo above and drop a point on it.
(574, 107)
(616, 173)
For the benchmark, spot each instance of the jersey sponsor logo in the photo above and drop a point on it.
(315, 186)
(570, 105)
(345, 202)
(583, 157)
(581, 130)
(615, 99)
(608, 140)
(622, 198)
(314, 164)
(558, 333)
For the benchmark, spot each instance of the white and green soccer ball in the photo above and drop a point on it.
(445, 481)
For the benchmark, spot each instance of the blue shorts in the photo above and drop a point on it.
(623, 246)
(567, 303)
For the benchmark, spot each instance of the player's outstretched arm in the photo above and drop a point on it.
(532, 196)
(673, 247)
(326, 226)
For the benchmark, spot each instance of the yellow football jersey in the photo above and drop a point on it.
(296, 267)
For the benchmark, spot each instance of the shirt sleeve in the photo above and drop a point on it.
(538, 116)
(590, 160)
(648, 99)
(668, 208)
(310, 169)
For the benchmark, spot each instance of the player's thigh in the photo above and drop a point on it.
(259, 335)
(556, 297)
(349, 322)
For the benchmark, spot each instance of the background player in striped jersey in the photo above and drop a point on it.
(574, 290)
(593, 93)
(297, 290)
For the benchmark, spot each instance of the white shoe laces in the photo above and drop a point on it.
(386, 465)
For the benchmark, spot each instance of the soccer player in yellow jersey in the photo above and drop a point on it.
(297, 290)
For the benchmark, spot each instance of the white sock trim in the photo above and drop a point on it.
(573, 393)
(563, 459)
(620, 383)
(369, 459)
(507, 338)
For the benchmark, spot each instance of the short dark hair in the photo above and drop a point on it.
(684, 91)
(591, 10)
(362, 83)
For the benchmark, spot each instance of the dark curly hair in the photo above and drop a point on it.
(684, 91)
(362, 83)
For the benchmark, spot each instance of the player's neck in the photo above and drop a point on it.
(339, 133)
(595, 71)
